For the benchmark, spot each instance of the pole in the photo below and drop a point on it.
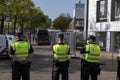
(86, 27)
(8, 27)
(86, 19)
(87, 11)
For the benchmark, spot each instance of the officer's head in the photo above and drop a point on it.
(91, 39)
(60, 37)
(18, 35)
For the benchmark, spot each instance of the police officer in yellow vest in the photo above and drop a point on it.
(60, 62)
(21, 53)
(89, 63)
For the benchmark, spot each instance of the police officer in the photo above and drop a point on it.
(21, 53)
(118, 66)
(89, 63)
(60, 61)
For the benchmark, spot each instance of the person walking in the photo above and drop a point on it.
(60, 60)
(89, 62)
(21, 53)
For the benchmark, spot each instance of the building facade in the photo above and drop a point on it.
(78, 16)
(104, 22)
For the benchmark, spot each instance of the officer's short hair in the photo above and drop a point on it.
(61, 35)
(92, 37)
(19, 34)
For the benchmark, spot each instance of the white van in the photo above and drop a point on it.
(5, 42)
(3, 45)
(10, 39)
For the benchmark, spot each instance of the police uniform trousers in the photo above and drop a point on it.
(20, 70)
(89, 69)
(60, 68)
(118, 71)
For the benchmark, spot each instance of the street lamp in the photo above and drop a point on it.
(8, 20)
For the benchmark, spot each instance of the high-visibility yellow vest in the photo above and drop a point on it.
(92, 53)
(61, 52)
(119, 53)
(21, 49)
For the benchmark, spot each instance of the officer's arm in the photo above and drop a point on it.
(13, 56)
(53, 49)
(82, 50)
(29, 58)
(30, 55)
(118, 56)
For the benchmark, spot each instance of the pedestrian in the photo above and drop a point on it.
(60, 61)
(118, 66)
(89, 62)
(21, 53)
(33, 38)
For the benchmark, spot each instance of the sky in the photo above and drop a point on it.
(53, 8)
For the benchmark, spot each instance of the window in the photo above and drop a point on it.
(101, 10)
(115, 10)
(81, 23)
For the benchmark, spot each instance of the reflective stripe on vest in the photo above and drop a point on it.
(94, 53)
(61, 52)
(21, 49)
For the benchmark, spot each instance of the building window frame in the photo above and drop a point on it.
(101, 14)
(115, 10)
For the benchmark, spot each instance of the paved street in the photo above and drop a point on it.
(41, 67)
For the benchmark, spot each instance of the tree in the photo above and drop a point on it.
(47, 23)
(3, 13)
(62, 22)
(23, 15)
(38, 18)
(19, 12)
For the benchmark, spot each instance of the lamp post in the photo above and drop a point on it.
(8, 20)
(86, 18)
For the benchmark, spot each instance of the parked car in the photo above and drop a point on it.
(5, 42)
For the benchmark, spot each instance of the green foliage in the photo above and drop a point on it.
(23, 14)
(62, 22)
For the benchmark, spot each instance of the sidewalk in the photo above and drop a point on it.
(108, 70)
(42, 65)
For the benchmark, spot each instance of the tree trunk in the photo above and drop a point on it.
(2, 25)
(15, 21)
(22, 25)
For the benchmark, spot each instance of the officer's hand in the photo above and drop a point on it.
(23, 62)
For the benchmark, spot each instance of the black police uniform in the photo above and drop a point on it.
(89, 68)
(118, 71)
(60, 67)
(20, 70)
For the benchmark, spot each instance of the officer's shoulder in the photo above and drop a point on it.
(55, 44)
(97, 44)
(26, 41)
(14, 42)
(66, 44)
